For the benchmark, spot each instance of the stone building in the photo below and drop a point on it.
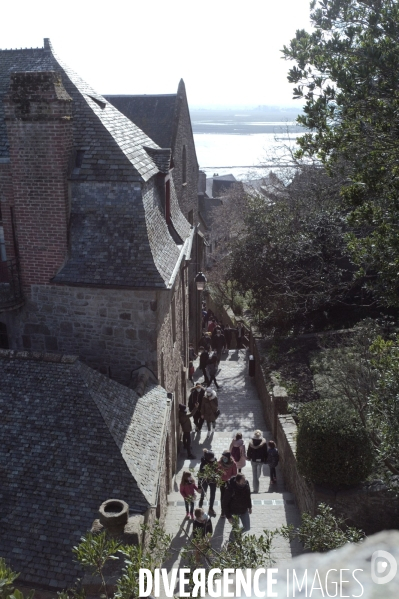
(92, 227)
(71, 438)
(165, 118)
(95, 249)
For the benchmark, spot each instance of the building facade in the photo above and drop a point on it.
(95, 249)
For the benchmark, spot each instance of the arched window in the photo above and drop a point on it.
(184, 165)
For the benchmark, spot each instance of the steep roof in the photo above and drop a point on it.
(109, 138)
(123, 240)
(70, 439)
(154, 114)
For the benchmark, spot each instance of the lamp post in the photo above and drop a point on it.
(200, 281)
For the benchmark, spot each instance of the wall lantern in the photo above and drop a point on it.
(200, 281)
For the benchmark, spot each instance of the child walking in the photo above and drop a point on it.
(187, 490)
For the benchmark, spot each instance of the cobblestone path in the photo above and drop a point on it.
(241, 410)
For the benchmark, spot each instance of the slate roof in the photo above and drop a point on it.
(70, 438)
(114, 145)
(154, 114)
(121, 240)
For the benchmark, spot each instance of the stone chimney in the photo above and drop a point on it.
(38, 115)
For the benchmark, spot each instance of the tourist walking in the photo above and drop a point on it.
(202, 523)
(209, 462)
(237, 500)
(185, 423)
(191, 353)
(219, 344)
(257, 453)
(272, 460)
(210, 410)
(187, 491)
(237, 450)
(228, 333)
(205, 342)
(211, 325)
(228, 468)
(240, 335)
(212, 369)
(204, 360)
(196, 397)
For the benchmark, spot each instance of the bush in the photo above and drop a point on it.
(333, 447)
(323, 532)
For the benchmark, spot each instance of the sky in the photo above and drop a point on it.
(227, 52)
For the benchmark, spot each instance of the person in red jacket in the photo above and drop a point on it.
(228, 468)
(187, 491)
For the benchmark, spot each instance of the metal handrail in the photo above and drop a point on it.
(10, 284)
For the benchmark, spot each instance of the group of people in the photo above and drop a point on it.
(235, 492)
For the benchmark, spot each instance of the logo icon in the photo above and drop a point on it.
(383, 567)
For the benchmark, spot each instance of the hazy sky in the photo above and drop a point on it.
(226, 51)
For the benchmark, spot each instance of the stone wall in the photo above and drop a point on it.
(369, 506)
(110, 330)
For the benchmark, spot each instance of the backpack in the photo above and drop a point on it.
(236, 454)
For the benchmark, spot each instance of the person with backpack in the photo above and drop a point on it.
(272, 461)
(237, 500)
(187, 491)
(237, 450)
(209, 410)
(228, 468)
(196, 397)
(257, 453)
(208, 461)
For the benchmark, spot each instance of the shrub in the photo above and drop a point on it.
(323, 532)
(333, 447)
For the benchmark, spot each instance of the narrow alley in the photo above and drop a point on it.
(241, 411)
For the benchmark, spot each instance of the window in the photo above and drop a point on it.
(3, 337)
(184, 165)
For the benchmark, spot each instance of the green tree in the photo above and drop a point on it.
(291, 257)
(362, 369)
(347, 72)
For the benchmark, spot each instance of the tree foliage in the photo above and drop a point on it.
(292, 258)
(333, 447)
(7, 580)
(362, 368)
(346, 71)
(323, 532)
